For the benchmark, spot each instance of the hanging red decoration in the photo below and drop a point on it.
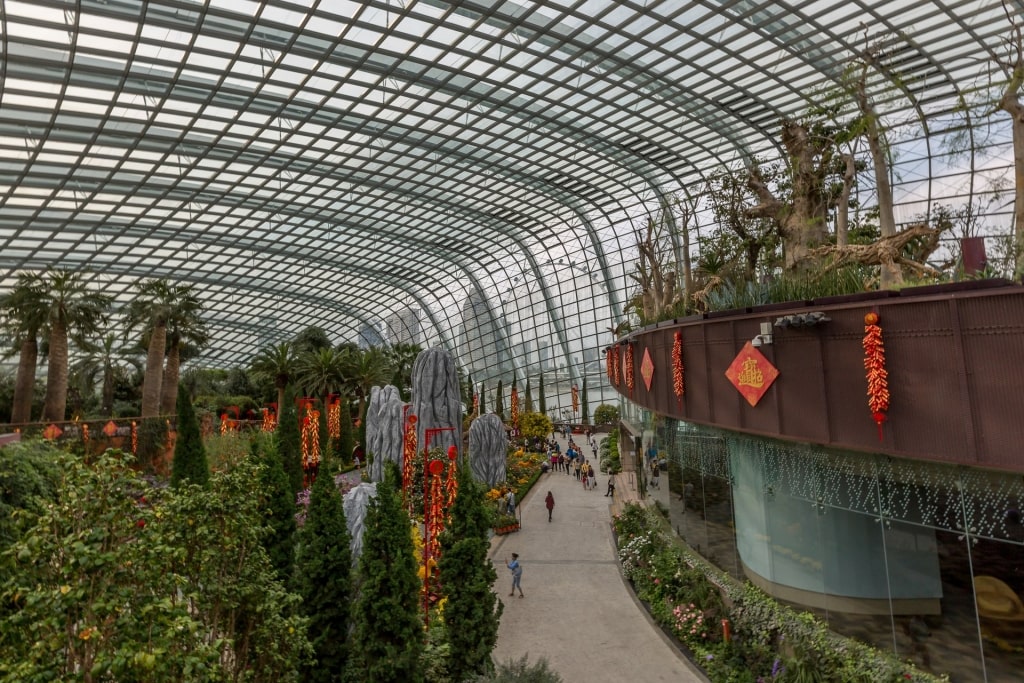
(616, 374)
(514, 401)
(677, 369)
(408, 456)
(334, 418)
(135, 438)
(630, 379)
(874, 366)
(608, 363)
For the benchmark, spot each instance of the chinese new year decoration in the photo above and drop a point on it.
(269, 420)
(310, 435)
(85, 433)
(608, 368)
(575, 398)
(408, 458)
(51, 432)
(678, 388)
(135, 438)
(647, 369)
(514, 401)
(874, 367)
(751, 373)
(334, 417)
(613, 365)
(630, 379)
(451, 483)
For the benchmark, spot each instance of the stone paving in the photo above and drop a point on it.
(578, 612)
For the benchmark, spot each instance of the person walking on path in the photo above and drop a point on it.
(584, 477)
(517, 575)
(549, 503)
(611, 487)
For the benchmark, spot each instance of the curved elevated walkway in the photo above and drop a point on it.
(578, 612)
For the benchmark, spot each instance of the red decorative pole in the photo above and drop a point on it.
(877, 376)
(431, 490)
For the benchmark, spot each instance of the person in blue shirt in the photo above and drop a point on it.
(517, 574)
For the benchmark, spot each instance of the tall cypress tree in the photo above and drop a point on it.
(473, 611)
(278, 504)
(528, 403)
(345, 442)
(323, 579)
(584, 404)
(289, 443)
(483, 395)
(388, 622)
(499, 400)
(189, 454)
(542, 406)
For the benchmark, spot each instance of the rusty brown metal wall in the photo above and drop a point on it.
(954, 355)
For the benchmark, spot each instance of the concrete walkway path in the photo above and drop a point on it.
(578, 612)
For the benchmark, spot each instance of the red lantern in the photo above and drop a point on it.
(436, 467)
(452, 452)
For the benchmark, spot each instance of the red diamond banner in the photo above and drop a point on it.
(110, 429)
(751, 373)
(647, 369)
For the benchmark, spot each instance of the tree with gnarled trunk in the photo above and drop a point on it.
(654, 273)
(23, 315)
(72, 310)
(868, 125)
(801, 215)
(1013, 69)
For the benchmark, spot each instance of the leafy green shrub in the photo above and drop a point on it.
(522, 671)
(30, 472)
(606, 414)
(534, 425)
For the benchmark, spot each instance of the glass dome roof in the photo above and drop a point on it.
(466, 174)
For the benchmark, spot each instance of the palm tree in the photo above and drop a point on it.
(148, 314)
(71, 309)
(322, 372)
(312, 338)
(279, 364)
(22, 313)
(106, 359)
(367, 369)
(186, 334)
(402, 356)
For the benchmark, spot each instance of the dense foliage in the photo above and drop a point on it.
(535, 425)
(289, 443)
(277, 502)
(123, 581)
(606, 414)
(689, 597)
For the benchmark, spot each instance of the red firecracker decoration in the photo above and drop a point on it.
(514, 401)
(451, 483)
(85, 433)
(334, 418)
(616, 374)
(135, 438)
(609, 365)
(677, 369)
(630, 380)
(408, 456)
(874, 366)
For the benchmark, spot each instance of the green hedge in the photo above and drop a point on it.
(691, 598)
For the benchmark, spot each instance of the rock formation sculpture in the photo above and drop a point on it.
(384, 425)
(436, 399)
(356, 503)
(488, 449)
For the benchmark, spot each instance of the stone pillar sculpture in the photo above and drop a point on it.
(488, 449)
(384, 429)
(436, 400)
(356, 503)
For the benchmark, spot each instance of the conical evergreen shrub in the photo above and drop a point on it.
(388, 623)
(542, 406)
(289, 442)
(345, 441)
(189, 454)
(323, 579)
(473, 611)
(278, 505)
